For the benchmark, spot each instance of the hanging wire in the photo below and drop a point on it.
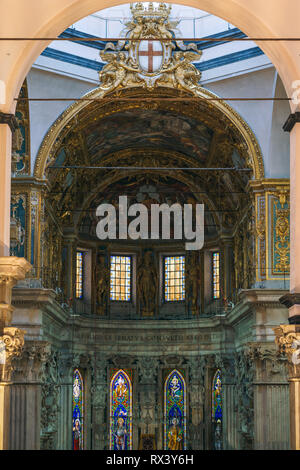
(201, 39)
(153, 99)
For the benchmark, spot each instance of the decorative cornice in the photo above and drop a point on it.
(10, 120)
(294, 320)
(291, 121)
(268, 184)
(290, 299)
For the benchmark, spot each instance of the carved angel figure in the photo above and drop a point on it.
(163, 29)
(185, 72)
(181, 71)
(135, 29)
(296, 353)
(112, 74)
(119, 70)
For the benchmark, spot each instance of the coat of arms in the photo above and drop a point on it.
(149, 54)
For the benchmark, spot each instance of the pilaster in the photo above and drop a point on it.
(99, 402)
(288, 341)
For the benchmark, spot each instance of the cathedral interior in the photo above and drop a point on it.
(142, 344)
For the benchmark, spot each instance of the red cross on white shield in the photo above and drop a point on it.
(150, 55)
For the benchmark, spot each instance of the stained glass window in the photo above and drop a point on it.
(175, 409)
(217, 411)
(120, 412)
(216, 274)
(120, 278)
(79, 275)
(77, 411)
(217, 397)
(174, 276)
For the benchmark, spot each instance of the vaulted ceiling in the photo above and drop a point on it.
(114, 147)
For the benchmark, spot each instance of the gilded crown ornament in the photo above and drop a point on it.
(148, 55)
(140, 10)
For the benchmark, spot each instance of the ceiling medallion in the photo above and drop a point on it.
(148, 55)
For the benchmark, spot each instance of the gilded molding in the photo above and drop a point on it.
(63, 124)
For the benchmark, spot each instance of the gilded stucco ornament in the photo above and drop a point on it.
(288, 341)
(144, 57)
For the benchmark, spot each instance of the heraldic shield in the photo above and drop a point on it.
(149, 55)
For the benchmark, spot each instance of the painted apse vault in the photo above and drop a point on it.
(170, 352)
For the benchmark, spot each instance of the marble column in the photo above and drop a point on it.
(12, 269)
(11, 347)
(100, 402)
(196, 389)
(70, 240)
(230, 415)
(20, 391)
(148, 399)
(288, 336)
(271, 402)
(7, 125)
(288, 340)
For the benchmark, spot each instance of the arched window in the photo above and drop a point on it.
(120, 412)
(77, 414)
(175, 410)
(217, 410)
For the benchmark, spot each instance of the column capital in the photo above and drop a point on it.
(29, 366)
(10, 120)
(12, 269)
(12, 343)
(288, 341)
(291, 121)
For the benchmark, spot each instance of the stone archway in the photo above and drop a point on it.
(255, 18)
(61, 126)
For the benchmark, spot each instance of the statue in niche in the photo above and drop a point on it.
(102, 285)
(147, 284)
(193, 276)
